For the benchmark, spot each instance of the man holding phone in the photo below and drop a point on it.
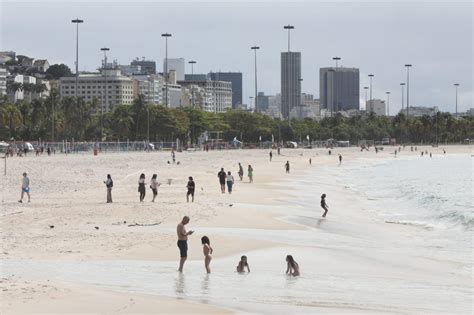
(183, 241)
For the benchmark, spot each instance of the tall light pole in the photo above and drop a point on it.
(388, 103)
(370, 78)
(289, 28)
(403, 94)
(366, 88)
(255, 48)
(192, 62)
(299, 105)
(456, 86)
(77, 21)
(335, 74)
(166, 35)
(332, 89)
(408, 66)
(104, 99)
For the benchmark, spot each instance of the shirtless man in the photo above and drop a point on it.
(183, 241)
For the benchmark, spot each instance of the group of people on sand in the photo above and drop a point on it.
(243, 265)
(227, 179)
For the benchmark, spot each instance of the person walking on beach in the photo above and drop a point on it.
(141, 187)
(241, 172)
(340, 159)
(324, 205)
(183, 241)
(207, 251)
(154, 186)
(292, 269)
(243, 264)
(25, 188)
(250, 173)
(287, 167)
(191, 187)
(271, 155)
(230, 182)
(222, 177)
(109, 183)
(310, 161)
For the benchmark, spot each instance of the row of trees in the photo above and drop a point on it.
(70, 118)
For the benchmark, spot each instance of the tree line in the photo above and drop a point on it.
(55, 118)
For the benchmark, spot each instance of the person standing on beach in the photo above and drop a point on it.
(25, 188)
(141, 187)
(250, 173)
(154, 186)
(324, 205)
(309, 161)
(292, 267)
(183, 241)
(207, 251)
(222, 177)
(340, 159)
(241, 172)
(109, 183)
(230, 182)
(191, 187)
(287, 167)
(271, 155)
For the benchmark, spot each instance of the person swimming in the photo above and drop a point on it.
(293, 269)
(243, 264)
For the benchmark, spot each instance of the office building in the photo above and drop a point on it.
(290, 82)
(120, 89)
(376, 106)
(339, 88)
(216, 96)
(196, 77)
(176, 64)
(147, 66)
(262, 101)
(236, 79)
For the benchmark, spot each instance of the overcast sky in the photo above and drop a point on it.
(376, 37)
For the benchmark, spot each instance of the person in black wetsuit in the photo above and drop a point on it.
(324, 205)
(191, 187)
(222, 175)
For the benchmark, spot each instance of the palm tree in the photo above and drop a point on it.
(122, 121)
(13, 118)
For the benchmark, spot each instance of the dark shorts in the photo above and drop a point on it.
(183, 248)
(155, 191)
(190, 192)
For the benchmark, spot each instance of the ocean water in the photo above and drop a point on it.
(433, 192)
(405, 246)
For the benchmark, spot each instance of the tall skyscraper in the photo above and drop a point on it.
(176, 64)
(339, 88)
(236, 79)
(290, 81)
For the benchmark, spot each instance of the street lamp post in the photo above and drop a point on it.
(255, 48)
(370, 78)
(388, 103)
(456, 86)
(403, 93)
(408, 66)
(335, 74)
(366, 88)
(104, 99)
(77, 21)
(300, 116)
(192, 62)
(166, 35)
(289, 28)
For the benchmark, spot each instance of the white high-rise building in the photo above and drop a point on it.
(18, 94)
(120, 89)
(176, 64)
(376, 106)
(3, 81)
(210, 95)
(151, 87)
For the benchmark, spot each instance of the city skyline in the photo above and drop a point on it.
(411, 33)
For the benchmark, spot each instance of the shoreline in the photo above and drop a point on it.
(220, 216)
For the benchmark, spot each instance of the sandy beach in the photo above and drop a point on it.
(352, 262)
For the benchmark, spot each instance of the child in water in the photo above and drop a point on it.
(207, 251)
(293, 269)
(243, 264)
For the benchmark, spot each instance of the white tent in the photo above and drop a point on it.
(4, 144)
(29, 146)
